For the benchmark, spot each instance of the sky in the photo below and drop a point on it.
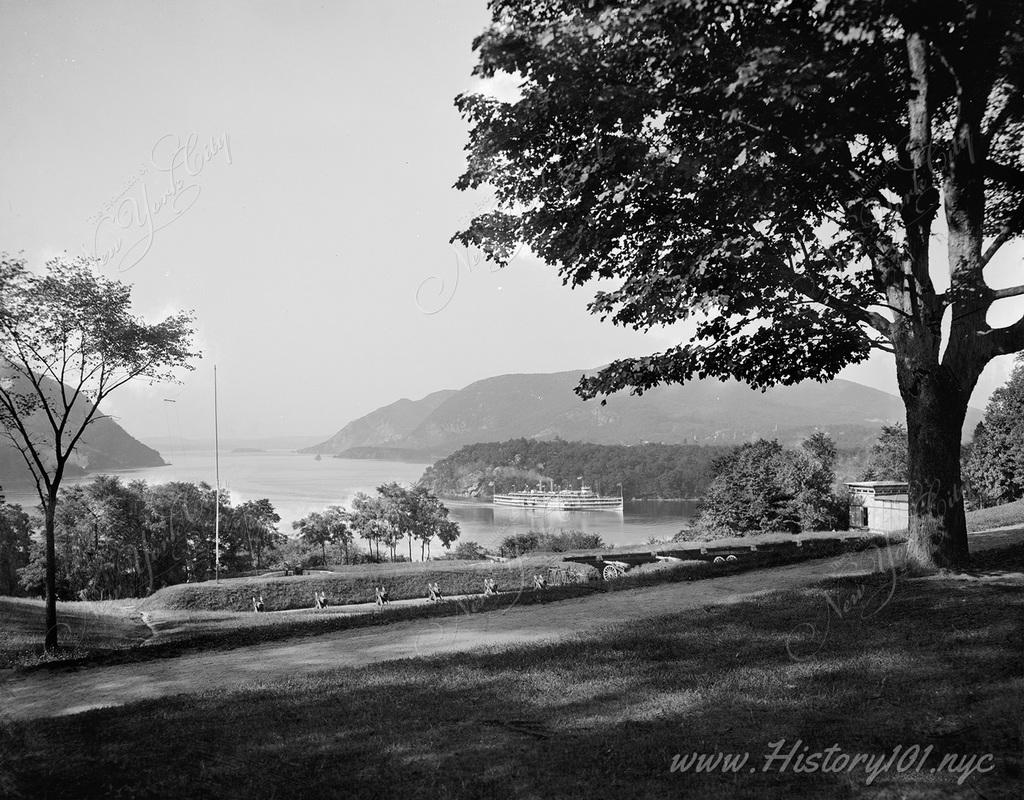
(288, 177)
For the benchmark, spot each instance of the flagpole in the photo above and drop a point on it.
(216, 461)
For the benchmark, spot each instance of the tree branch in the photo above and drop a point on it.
(1007, 340)
(7, 402)
(1001, 117)
(1004, 173)
(1011, 228)
(31, 376)
(804, 284)
(1009, 291)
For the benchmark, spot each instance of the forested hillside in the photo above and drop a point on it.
(644, 470)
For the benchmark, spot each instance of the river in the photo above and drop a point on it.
(297, 484)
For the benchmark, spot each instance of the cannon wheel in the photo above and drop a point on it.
(731, 559)
(719, 560)
(610, 572)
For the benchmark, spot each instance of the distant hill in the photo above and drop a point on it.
(104, 446)
(544, 406)
(386, 427)
(390, 454)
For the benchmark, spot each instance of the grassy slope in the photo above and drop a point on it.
(406, 580)
(601, 716)
(83, 627)
(347, 585)
(996, 517)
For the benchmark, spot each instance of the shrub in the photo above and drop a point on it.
(468, 551)
(518, 544)
(569, 540)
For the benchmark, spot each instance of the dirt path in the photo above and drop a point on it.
(39, 694)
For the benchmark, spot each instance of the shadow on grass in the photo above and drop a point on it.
(600, 716)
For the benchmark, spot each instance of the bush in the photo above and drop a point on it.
(518, 544)
(468, 551)
(569, 540)
(548, 542)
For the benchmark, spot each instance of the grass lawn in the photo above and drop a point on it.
(866, 664)
(408, 580)
(83, 628)
(351, 584)
(996, 517)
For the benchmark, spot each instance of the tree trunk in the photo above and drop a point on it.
(938, 528)
(50, 642)
(149, 567)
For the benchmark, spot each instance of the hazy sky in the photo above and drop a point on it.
(287, 174)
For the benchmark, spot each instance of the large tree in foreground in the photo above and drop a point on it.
(775, 173)
(68, 339)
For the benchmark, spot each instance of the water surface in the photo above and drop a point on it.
(297, 484)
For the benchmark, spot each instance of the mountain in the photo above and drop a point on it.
(105, 445)
(385, 427)
(544, 406)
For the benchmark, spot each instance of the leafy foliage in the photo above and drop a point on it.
(518, 544)
(115, 539)
(888, 458)
(995, 467)
(762, 486)
(399, 512)
(695, 152)
(770, 173)
(469, 551)
(15, 543)
(319, 529)
(549, 542)
(69, 340)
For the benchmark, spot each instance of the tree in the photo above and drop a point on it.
(182, 519)
(15, 545)
(762, 486)
(817, 504)
(995, 466)
(369, 519)
(888, 458)
(429, 517)
(68, 339)
(257, 522)
(399, 508)
(772, 173)
(319, 529)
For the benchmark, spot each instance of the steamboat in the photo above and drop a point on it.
(582, 499)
